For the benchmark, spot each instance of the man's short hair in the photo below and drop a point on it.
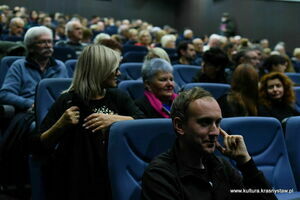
(32, 33)
(70, 26)
(181, 103)
(215, 57)
(16, 20)
(182, 46)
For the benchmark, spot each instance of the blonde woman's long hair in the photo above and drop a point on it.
(95, 64)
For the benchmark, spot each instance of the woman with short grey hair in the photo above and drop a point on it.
(159, 85)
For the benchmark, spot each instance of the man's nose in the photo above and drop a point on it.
(214, 129)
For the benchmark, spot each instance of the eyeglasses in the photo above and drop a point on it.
(44, 42)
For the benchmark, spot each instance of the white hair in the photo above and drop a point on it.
(100, 37)
(187, 31)
(70, 25)
(167, 38)
(32, 33)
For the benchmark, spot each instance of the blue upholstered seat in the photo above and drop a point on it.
(184, 74)
(70, 66)
(292, 138)
(132, 145)
(134, 88)
(216, 89)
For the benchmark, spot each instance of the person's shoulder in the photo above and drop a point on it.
(141, 101)
(61, 43)
(116, 92)
(163, 163)
(19, 62)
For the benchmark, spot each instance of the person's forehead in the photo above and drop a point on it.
(252, 53)
(77, 25)
(205, 107)
(190, 46)
(43, 37)
(273, 81)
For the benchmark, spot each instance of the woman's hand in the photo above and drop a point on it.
(52, 135)
(70, 116)
(98, 121)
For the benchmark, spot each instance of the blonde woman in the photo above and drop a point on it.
(74, 130)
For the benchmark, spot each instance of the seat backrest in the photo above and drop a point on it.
(296, 64)
(184, 74)
(295, 77)
(63, 53)
(216, 89)
(265, 143)
(128, 48)
(134, 56)
(131, 70)
(48, 90)
(134, 88)
(297, 94)
(70, 65)
(5, 63)
(292, 139)
(132, 145)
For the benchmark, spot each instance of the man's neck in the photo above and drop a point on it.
(184, 61)
(42, 62)
(190, 157)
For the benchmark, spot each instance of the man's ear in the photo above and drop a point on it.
(178, 125)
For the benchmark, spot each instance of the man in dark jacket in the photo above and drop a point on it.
(190, 170)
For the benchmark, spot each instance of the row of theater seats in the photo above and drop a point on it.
(147, 138)
(131, 53)
(133, 144)
(183, 75)
(133, 70)
(50, 89)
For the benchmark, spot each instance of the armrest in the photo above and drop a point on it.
(7, 111)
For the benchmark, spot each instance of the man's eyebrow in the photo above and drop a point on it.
(208, 118)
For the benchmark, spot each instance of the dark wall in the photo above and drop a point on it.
(255, 19)
(158, 12)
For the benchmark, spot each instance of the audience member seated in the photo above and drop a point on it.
(87, 36)
(159, 88)
(19, 89)
(275, 63)
(158, 34)
(168, 41)
(190, 170)
(214, 40)
(157, 53)
(198, 45)
(114, 45)
(23, 76)
(242, 100)
(132, 37)
(247, 56)
(73, 135)
(187, 36)
(16, 30)
(74, 37)
(186, 54)
(296, 59)
(213, 67)
(100, 37)
(144, 39)
(60, 33)
(276, 96)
